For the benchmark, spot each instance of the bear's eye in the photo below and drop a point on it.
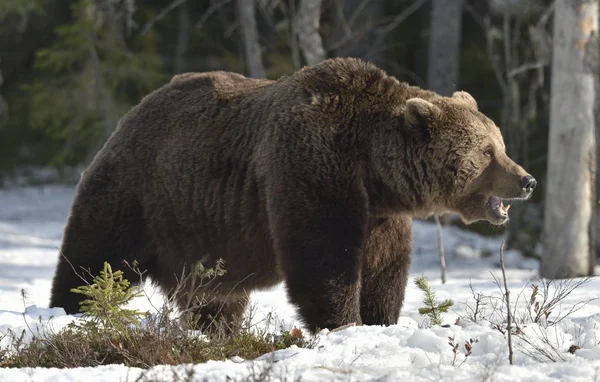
(489, 153)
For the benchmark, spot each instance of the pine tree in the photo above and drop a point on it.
(432, 308)
(91, 75)
(106, 298)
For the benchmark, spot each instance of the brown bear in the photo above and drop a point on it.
(312, 179)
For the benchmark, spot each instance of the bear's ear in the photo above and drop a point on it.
(465, 98)
(420, 112)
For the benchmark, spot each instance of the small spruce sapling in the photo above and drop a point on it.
(432, 308)
(106, 297)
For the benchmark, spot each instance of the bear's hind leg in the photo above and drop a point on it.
(220, 316)
(97, 231)
(385, 271)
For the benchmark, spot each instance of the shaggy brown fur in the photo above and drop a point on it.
(312, 179)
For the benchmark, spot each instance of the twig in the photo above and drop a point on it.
(380, 32)
(441, 248)
(340, 328)
(347, 24)
(400, 18)
(526, 67)
(161, 15)
(212, 9)
(506, 294)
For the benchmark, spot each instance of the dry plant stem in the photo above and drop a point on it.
(340, 328)
(441, 248)
(506, 295)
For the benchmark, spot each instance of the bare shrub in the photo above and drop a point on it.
(538, 315)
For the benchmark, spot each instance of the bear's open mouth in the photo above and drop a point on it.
(497, 207)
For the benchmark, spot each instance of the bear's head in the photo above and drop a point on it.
(453, 160)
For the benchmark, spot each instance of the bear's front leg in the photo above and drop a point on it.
(319, 243)
(386, 263)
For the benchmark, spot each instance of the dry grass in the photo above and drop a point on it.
(111, 336)
(144, 348)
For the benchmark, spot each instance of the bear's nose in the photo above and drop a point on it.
(528, 183)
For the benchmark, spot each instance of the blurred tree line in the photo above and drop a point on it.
(70, 69)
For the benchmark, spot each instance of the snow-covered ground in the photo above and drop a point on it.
(31, 224)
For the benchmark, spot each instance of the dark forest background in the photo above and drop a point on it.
(70, 69)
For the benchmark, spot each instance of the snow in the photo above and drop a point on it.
(31, 224)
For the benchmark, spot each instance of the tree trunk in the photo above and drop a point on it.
(444, 46)
(307, 28)
(249, 34)
(294, 35)
(3, 104)
(597, 114)
(183, 37)
(443, 63)
(570, 187)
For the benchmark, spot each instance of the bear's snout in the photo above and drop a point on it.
(528, 183)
